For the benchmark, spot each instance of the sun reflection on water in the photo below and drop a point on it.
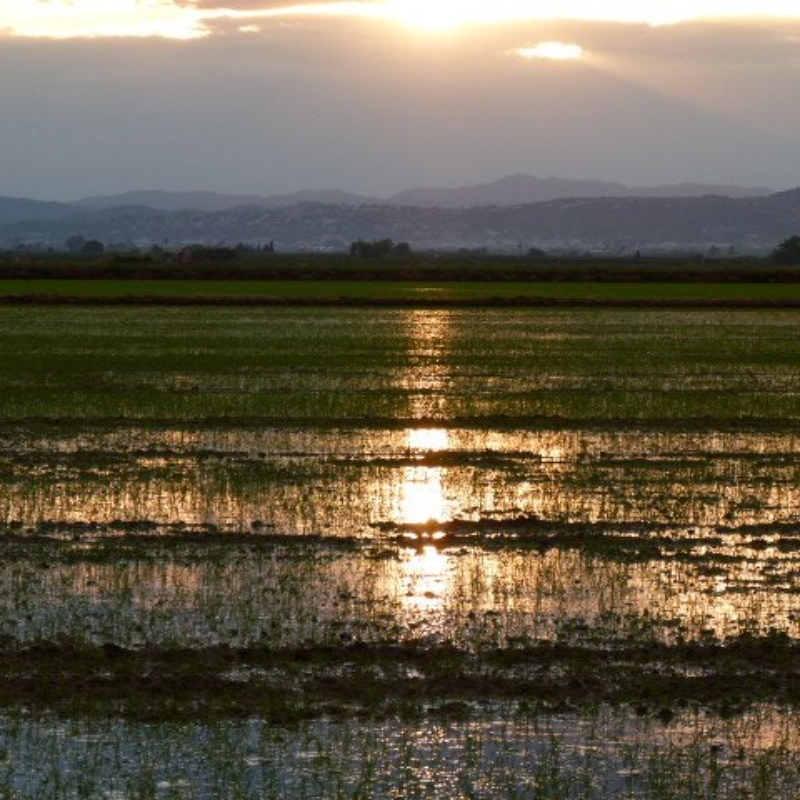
(428, 375)
(427, 573)
(428, 578)
(422, 495)
(428, 439)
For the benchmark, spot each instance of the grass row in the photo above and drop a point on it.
(308, 366)
(48, 290)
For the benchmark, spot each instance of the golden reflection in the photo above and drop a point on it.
(422, 496)
(414, 475)
(428, 578)
(420, 493)
(428, 439)
(427, 377)
(334, 483)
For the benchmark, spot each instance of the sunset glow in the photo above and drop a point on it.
(441, 16)
(185, 20)
(551, 51)
(61, 19)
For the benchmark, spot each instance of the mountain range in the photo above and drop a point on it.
(511, 190)
(512, 214)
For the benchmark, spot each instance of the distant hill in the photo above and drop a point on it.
(698, 190)
(218, 201)
(509, 191)
(520, 189)
(16, 209)
(603, 224)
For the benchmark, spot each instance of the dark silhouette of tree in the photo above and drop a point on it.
(86, 247)
(788, 251)
(75, 244)
(379, 247)
(200, 254)
(93, 248)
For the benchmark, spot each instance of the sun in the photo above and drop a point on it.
(432, 16)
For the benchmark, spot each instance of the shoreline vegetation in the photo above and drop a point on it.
(445, 281)
(435, 267)
(399, 302)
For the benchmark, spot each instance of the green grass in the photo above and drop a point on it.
(401, 290)
(336, 366)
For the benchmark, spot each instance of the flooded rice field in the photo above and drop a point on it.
(395, 532)
(399, 553)
(598, 754)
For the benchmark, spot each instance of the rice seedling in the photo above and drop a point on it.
(465, 521)
(593, 756)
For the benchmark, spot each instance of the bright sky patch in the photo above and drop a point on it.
(551, 51)
(182, 19)
(68, 19)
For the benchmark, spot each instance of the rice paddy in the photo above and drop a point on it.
(341, 552)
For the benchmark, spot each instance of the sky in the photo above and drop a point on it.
(376, 96)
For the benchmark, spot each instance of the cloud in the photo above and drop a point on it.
(654, 12)
(73, 19)
(263, 5)
(374, 107)
(465, 12)
(186, 19)
(734, 42)
(550, 51)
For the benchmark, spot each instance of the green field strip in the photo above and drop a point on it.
(405, 291)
